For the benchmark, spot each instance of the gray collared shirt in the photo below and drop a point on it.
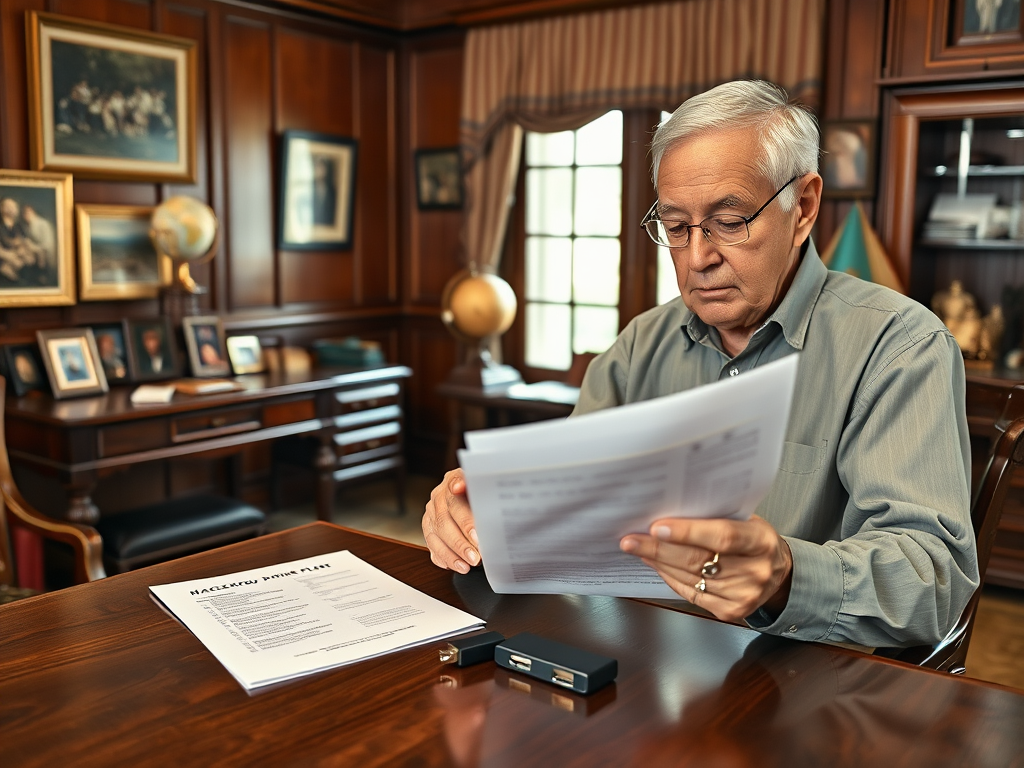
(872, 493)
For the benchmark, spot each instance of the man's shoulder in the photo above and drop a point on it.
(671, 314)
(853, 300)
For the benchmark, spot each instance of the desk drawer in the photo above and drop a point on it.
(371, 438)
(211, 424)
(366, 398)
(123, 439)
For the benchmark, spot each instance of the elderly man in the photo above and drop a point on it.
(865, 535)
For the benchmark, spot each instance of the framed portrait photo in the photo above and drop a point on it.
(114, 351)
(72, 362)
(23, 367)
(438, 178)
(245, 354)
(36, 247)
(151, 351)
(110, 102)
(207, 351)
(317, 195)
(116, 258)
(848, 161)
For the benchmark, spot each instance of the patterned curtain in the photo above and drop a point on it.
(560, 73)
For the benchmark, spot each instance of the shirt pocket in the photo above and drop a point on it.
(800, 459)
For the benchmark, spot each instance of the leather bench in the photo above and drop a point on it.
(176, 527)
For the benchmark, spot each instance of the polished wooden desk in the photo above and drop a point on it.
(98, 675)
(356, 413)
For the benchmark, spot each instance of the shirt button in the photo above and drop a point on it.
(734, 371)
(792, 629)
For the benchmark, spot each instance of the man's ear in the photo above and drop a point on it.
(807, 204)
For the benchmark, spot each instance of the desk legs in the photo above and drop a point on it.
(80, 506)
(325, 464)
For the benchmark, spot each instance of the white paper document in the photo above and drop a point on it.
(551, 500)
(276, 623)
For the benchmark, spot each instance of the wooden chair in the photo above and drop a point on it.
(84, 541)
(950, 655)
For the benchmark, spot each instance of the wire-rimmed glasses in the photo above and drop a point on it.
(720, 228)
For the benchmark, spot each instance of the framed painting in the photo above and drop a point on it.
(245, 354)
(116, 258)
(110, 102)
(204, 338)
(438, 178)
(984, 21)
(151, 351)
(114, 350)
(36, 245)
(848, 162)
(23, 367)
(317, 194)
(72, 362)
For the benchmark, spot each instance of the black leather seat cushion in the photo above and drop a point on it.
(175, 523)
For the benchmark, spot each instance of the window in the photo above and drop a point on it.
(573, 223)
(668, 287)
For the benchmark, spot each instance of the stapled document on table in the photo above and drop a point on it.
(271, 624)
(552, 500)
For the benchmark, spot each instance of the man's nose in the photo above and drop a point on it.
(701, 252)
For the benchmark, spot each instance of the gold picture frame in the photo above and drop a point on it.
(245, 354)
(36, 243)
(109, 102)
(116, 258)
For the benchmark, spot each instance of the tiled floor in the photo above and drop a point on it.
(997, 647)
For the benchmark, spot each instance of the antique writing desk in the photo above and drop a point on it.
(98, 675)
(356, 413)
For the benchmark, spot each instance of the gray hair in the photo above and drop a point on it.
(788, 132)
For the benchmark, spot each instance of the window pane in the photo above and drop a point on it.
(549, 148)
(549, 201)
(595, 271)
(594, 328)
(668, 287)
(600, 142)
(547, 336)
(598, 207)
(548, 268)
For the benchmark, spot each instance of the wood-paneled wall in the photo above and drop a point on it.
(260, 72)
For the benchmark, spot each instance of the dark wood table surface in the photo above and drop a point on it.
(98, 675)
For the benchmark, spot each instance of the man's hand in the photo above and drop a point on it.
(448, 525)
(755, 565)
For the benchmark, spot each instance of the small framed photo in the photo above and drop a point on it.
(151, 351)
(245, 354)
(986, 21)
(317, 195)
(848, 163)
(116, 258)
(72, 362)
(114, 351)
(204, 338)
(23, 368)
(438, 178)
(36, 246)
(109, 102)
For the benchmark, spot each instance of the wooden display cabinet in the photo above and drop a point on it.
(956, 140)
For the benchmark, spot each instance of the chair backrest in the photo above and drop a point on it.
(991, 487)
(84, 541)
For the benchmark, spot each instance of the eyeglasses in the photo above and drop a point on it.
(720, 229)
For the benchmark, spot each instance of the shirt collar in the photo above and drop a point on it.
(793, 314)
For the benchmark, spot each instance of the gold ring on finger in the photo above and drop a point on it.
(701, 585)
(711, 567)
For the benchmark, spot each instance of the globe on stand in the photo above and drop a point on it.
(185, 231)
(478, 307)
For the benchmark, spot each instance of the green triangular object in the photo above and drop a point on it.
(851, 253)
